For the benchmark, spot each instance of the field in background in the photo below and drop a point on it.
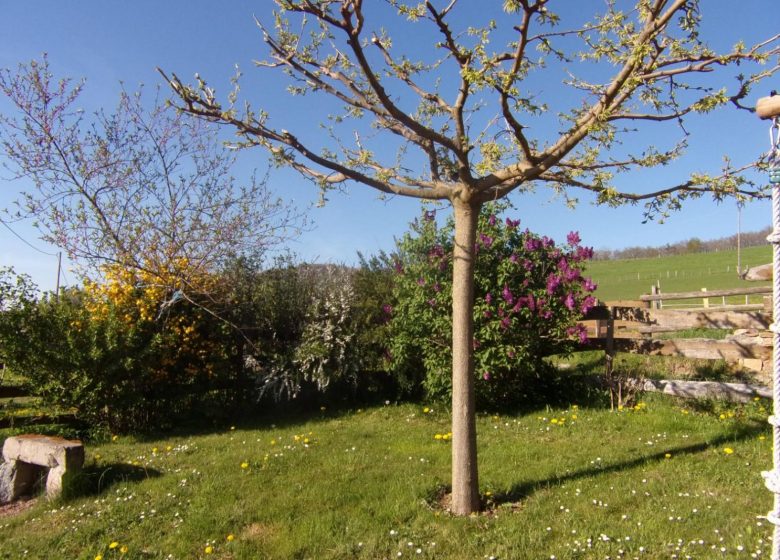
(627, 279)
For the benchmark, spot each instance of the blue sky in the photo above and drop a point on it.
(112, 42)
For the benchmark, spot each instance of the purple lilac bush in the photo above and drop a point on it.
(529, 294)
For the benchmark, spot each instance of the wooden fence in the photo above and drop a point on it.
(621, 327)
(8, 419)
(706, 299)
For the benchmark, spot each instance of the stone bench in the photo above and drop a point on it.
(29, 458)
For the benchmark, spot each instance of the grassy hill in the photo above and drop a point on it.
(629, 278)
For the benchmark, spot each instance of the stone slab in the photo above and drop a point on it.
(44, 451)
(28, 458)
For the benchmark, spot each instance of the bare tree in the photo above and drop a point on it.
(467, 112)
(143, 188)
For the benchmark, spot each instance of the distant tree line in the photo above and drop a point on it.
(692, 245)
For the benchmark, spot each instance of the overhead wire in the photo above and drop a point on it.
(23, 240)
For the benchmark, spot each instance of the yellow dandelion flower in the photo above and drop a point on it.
(114, 438)
(554, 421)
(668, 456)
(761, 438)
(209, 549)
(168, 448)
(98, 557)
(230, 537)
(438, 436)
(573, 416)
(273, 442)
(113, 545)
(426, 410)
(123, 549)
(728, 450)
(154, 450)
(305, 440)
(244, 465)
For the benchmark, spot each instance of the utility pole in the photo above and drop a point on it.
(59, 271)
(739, 239)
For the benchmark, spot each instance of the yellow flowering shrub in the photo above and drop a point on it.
(131, 351)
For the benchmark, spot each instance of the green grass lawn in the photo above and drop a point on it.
(663, 481)
(627, 279)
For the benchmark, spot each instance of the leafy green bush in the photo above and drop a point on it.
(529, 294)
(98, 352)
(17, 303)
(127, 355)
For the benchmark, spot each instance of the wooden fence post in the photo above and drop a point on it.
(609, 356)
(705, 302)
(655, 290)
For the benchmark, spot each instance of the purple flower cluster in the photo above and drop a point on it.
(507, 295)
(526, 301)
(436, 252)
(512, 224)
(527, 289)
(579, 331)
(485, 240)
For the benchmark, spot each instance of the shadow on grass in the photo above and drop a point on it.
(97, 479)
(524, 490)
(308, 406)
(721, 371)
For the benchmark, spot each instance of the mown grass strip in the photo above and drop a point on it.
(662, 479)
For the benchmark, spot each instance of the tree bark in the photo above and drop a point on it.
(465, 486)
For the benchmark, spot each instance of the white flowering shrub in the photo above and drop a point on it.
(310, 336)
(326, 351)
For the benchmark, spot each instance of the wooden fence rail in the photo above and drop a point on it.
(658, 300)
(13, 391)
(709, 293)
(12, 420)
(616, 328)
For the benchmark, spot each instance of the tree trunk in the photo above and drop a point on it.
(465, 487)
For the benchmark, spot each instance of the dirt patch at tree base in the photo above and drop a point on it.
(440, 501)
(16, 507)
